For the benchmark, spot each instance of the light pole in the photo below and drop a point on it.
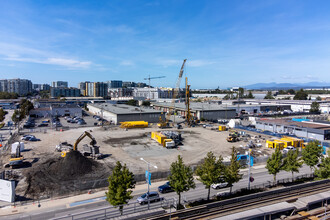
(148, 176)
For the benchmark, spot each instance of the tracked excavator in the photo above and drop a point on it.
(88, 150)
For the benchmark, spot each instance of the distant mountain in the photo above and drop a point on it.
(274, 85)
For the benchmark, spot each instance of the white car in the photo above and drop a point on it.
(288, 148)
(219, 185)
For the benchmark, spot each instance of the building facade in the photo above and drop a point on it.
(64, 92)
(19, 86)
(115, 84)
(41, 87)
(60, 84)
(153, 93)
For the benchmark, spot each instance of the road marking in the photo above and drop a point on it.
(86, 201)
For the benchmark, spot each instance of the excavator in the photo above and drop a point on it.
(16, 159)
(88, 150)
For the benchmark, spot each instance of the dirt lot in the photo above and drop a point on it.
(128, 147)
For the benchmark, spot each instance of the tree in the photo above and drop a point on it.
(281, 92)
(291, 163)
(17, 116)
(324, 170)
(210, 171)
(146, 103)
(8, 95)
(312, 153)
(132, 102)
(240, 92)
(250, 96)
(274, 163)
(25, 106)
(2, 114)
(231, 174)
(301, 95)
(269, 95)
(291, 91)
(181, 178)
(226, 97)
(315, 107)
(318, 98)
(121, 181)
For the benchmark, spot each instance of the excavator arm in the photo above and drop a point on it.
(86, 133)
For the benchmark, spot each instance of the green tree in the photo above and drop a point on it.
(274, 163)
(250, 96)
(2, 114)
(240, 92)
(210, 171)
(301, 95)
(282, 92)
(8, 95)
(25, 106)
(318, 98)
(227, 97)
(181, 178)
(291, 91)
(146, 103)
(132, 102)
(312, 153)
(324, 170)
(17, 116)
(291, 163)
(121, 181)
(269, 95)
(315, 107)
(231, 174)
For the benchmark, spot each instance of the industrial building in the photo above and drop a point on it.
(300, 128)
(19, 86)
(199, 110)
(116, 113)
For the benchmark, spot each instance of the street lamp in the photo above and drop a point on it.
(148, 172)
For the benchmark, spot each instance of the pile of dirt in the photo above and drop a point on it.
(54, 173)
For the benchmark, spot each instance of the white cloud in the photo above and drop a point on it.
(53, 61)
(199, 63)
(126, 63)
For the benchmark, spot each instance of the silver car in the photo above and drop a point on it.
(153, 197)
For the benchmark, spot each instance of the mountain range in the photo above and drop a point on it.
(274, 85)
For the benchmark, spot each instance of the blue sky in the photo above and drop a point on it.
(226, 43)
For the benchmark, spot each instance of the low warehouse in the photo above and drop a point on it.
(199, 110)
(116, 113)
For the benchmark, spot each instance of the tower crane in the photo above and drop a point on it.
(149, 78)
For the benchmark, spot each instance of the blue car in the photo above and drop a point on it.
(166, 188)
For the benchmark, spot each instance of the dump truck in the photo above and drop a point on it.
(163, 139)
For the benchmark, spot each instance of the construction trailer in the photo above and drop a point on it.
(274, 144)
(285, 142)
(162, 139)
(134, 124)
(295, 142)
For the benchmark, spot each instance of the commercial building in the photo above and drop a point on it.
(115, 84)
(303, 128)
(59, 84)
(19, 86)
(9, 103)
(64, 92)
(41, 87)
(200, 110)
(120, 92)
(129, 84)
(116, 113)
(153, 93)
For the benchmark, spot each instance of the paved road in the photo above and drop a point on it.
(260, 175)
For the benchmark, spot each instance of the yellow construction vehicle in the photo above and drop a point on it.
(75, 146)
(162, 123)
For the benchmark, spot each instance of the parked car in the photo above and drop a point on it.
(28, 125)
(288, 148)
(153, 197)
(43, 125)
(34, 139)
(81, 122)
(219, 185)
(165, 188)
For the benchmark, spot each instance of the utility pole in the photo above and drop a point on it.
(148, 178)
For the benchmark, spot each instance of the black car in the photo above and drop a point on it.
(43, 125)
(165, 188)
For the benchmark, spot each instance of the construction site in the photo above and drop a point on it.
(70, 159)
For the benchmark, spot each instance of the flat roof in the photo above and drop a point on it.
(305, 124)
(122, 109)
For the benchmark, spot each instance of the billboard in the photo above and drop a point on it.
(7, 190)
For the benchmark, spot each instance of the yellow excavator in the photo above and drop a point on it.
(91, 150)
